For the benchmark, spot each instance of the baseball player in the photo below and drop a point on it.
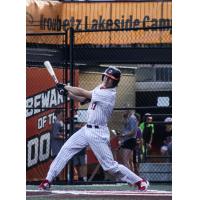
(95, 133)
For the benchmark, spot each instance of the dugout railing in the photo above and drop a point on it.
(79, 58)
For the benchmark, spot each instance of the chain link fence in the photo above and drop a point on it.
(79, 58)
(144, 87)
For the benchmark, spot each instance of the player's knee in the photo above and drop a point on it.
(112, 169)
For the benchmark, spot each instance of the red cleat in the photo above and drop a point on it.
(142, 185)
(45, 185)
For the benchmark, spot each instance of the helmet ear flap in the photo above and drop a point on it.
(115, 83)
(102, 77)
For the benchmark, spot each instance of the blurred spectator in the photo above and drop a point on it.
(128, 138)
(57, 138)
(148, 130)
(57, 133)
(79, 160)
(138, 152)
(166, 149)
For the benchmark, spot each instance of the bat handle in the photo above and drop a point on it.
(54, 78)
(56, 81)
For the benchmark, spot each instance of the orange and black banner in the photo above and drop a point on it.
(55, 16)
(42, 100)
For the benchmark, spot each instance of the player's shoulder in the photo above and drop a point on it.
(109, 92)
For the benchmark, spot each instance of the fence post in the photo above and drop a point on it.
(70, 173)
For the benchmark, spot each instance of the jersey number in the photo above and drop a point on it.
(93, 105)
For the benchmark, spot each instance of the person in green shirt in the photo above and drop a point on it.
(148, 130)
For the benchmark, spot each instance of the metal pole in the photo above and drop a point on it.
(71, 131)
(66, 106)
(71, 80)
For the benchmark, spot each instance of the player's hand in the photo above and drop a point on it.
(60, 86)
(61, 89)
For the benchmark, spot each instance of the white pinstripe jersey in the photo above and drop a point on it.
(101, 106)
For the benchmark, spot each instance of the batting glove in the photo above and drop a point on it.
(61, 89)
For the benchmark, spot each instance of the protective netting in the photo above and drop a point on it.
(145, 87)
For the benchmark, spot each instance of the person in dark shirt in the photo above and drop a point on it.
(137, 152)
(166, 148)
(128, 138)
(79, 159)
(57, 133)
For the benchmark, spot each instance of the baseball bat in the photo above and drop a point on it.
(49, 68)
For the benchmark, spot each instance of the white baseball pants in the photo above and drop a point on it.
(99, 142)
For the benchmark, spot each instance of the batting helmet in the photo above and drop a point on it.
(113, 73)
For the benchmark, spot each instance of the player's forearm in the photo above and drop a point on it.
(79, 92)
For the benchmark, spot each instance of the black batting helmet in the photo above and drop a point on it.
(113, 73)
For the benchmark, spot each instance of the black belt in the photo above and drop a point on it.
(92, 126)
